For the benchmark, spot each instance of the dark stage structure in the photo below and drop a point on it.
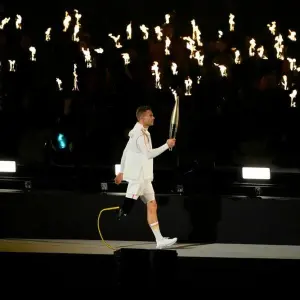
(232, 232)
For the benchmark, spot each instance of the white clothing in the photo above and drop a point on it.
(137, 158)
(140, 189)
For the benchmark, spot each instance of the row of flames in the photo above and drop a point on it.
(194, 44)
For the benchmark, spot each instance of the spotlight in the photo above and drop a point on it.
(256, 173)
(7, 166)
(62, 141)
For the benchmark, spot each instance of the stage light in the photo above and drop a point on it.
(256, 173)
(62, 141)
(7, 166)
(117, 169)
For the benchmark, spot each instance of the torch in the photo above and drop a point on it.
(174, 117)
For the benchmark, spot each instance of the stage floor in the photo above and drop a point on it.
(96, 247)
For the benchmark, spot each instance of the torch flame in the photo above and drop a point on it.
(156, 73)
(87, 57)
(158, 32)
(129, 31)
(145, 31)
(126, 58)
(293, 96)
(174, 68)
(252, 47)
(33, 52)
(272, 27)
(77, 26)
(4, 22)
(231, 22)
(167, 17)
(292, 62)
(188, 86)
(116, 39)
(75, 87)
(47, 33)
(292, 35)
(66, 21)
(12, 65)
(284, 82)
(196, 33)
(223, 70)
(168, 43)
(18, 22)
(99, 50)
(59, 83)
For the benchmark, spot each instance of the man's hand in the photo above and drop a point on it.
(119, 178)
(171, 143)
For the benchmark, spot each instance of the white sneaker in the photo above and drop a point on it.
(165, 243)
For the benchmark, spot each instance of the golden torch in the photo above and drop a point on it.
(174, 117)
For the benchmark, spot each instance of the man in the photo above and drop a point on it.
(137, 170)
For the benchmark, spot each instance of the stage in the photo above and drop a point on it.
(90, 263)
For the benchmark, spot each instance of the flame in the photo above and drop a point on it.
(260, 52)
(231, 22)
(158, 32)
(220, 33)
(272, 27)
(198, 79)
(293, 96)
(284, 82)
(33, 52)
(145, 31)
(59, 83)
(66, 21)
(199, 58)
(174, 68)
(188, 86)
(75, 87)
(279, 47)
(18, 22)
(99, 50)
(77, 26)
(87, 57)
(116, 39)
(223, 70)
(167, 17)
(129, 31)
(156, 73)
(292, 35)
(4, 22)
(196, 33)
(190, 45)
(252, 47)
(237, 58)
(292, 62)
(168, 43)
(12, 65)
(47, 33)
(126, 58)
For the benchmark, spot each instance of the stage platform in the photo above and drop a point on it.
(90, 263)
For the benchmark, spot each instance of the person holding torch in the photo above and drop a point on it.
(137, 170)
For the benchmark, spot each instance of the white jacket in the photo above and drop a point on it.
(137, 158)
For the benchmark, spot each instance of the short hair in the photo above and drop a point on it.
(141, 110)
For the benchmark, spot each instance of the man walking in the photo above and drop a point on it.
(137, 170)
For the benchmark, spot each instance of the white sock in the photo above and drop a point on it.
(156, 231)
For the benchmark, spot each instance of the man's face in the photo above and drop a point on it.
(148, 118)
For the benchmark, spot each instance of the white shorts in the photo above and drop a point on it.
(142, 189)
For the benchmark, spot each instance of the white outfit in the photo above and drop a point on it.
(137, 163)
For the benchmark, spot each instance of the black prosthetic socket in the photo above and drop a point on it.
(127, 205)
